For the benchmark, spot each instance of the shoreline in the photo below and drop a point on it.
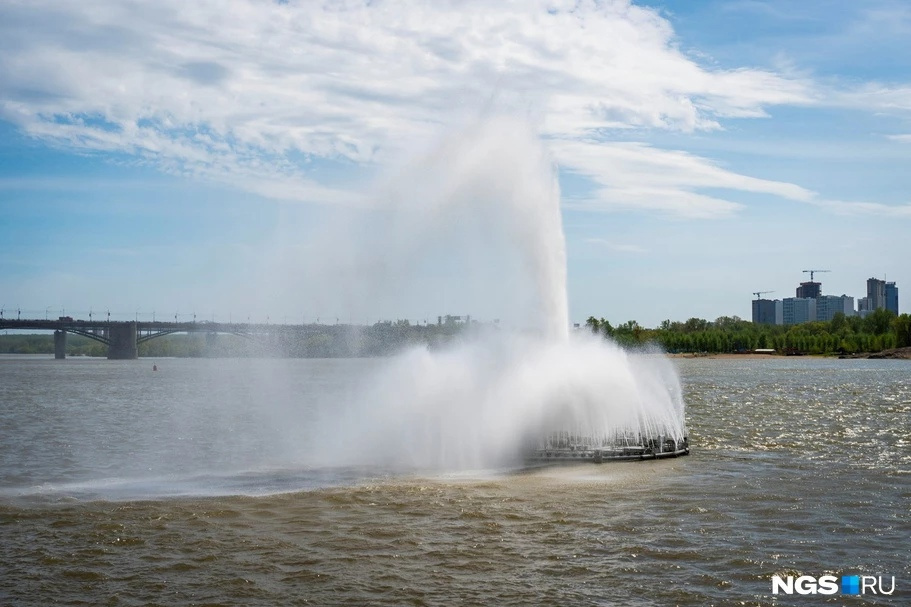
(723, 355)
(892, 354)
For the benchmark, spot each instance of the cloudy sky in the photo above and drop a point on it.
(228, 158)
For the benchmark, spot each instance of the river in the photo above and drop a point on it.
(196, 484)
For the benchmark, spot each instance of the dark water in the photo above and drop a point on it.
(194, 485)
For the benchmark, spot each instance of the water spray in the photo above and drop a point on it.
(499, 399)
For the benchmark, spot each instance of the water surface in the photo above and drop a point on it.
(195, 485)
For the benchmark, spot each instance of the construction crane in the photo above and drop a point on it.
(758, 293)
(812, 271)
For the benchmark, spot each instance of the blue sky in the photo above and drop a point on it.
(235, 160)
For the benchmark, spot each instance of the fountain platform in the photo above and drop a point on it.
(563, 451)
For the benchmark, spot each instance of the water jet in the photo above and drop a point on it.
(490, 400)
(541, 395)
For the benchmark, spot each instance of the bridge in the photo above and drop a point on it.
(123, 337)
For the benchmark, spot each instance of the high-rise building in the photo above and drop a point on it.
(798, 309)
(891, 293)
(828, 306)
(811, 305)
(809, 289)
(764, 311)
(876, 294)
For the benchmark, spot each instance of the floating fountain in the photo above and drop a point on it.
(541, 394)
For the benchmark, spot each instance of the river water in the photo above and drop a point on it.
(197, 484)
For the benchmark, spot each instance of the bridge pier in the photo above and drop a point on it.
(210, 343)
(123, 342)
(60, 344)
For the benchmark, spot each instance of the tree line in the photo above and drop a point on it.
(880, 330)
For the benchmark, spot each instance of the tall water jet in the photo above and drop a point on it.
(493, 398)
(493, 178)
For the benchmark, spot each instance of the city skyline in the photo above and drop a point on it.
(231, 158)
(811, 304)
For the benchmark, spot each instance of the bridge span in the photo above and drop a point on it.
(123, 337)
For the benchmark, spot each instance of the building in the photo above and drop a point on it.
(809, 289)
(876, 294)
(811, 305)
(828, 306)
(891, 293)
(798, 309)
(764, 311)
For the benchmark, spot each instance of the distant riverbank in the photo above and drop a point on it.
(381, 339)
(745, 355)
(892, 353)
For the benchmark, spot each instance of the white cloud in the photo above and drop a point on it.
(238, 92)
(873, 96)
(245, 93)
(638, 176)
(617, 247)
(864, 208)
(904, 138)
(672, 202)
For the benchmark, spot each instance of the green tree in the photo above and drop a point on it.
(838, 323)
(901, 326)
(879, 321)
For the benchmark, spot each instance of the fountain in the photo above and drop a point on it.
(498, 398)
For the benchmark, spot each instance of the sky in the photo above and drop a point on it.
(241, 159)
